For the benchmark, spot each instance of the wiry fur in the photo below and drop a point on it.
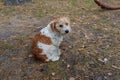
(46, 43)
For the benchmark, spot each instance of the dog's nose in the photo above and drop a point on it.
(66, 31)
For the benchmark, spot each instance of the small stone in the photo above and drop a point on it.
(68, 66)
(53, 73)
(72, 78)
(105, 60)
(114, 23)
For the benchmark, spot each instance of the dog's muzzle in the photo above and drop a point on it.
(66, 31)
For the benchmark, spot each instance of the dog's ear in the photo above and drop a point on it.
(53, 26)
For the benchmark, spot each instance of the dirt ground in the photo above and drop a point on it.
(90, 52)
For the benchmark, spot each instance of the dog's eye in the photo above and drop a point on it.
(61, 25)
(66, 23)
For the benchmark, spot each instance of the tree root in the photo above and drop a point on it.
(106, 6)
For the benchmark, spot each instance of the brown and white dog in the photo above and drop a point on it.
(46, 43)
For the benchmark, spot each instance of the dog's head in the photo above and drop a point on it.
(61, 25)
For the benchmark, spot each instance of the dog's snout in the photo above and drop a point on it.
(66, 31)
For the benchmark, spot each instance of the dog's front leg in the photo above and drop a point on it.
(56, 54)
(55, 58)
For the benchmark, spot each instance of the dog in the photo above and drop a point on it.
(45, 45)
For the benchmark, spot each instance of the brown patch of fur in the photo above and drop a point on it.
(43, 39)
(37, 51)
(53, 26)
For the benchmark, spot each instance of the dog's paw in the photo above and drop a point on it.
(55, 58)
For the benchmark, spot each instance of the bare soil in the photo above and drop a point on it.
(90, 52)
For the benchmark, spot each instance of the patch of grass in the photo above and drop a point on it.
(6, 45)
(2, 0)
(40, 13)
(9, 11)
(117, 32)
(53, 67)
(74, 3)
(88, 4)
